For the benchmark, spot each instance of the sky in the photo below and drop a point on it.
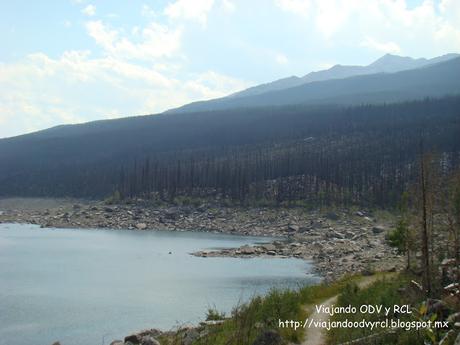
(73, 61)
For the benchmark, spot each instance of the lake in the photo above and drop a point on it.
(92, 286)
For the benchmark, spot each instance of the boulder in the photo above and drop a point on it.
(141, 226)
(247, 250)
(149, 340)
(172, 214)
(189, 336)
(439, 308)
(335, 234)
(293, 228)
(448, 262)
(268, 247)
(453, 318)
(367, 272)
(269, 337)
(202, 208)
(378, 229)
(146, 337)
(117, 342)
(457, 341)
(332, 216)
(133, 338)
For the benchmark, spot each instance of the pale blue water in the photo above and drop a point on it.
(80, 286)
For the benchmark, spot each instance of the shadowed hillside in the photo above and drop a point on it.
(322, 154)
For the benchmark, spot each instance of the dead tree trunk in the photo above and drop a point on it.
(425, 236)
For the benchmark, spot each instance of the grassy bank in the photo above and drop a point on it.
(249, 321)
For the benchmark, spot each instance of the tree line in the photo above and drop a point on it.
(362, 155)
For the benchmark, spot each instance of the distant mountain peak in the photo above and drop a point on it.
(388, 63)
(390, 79)
(396, 62)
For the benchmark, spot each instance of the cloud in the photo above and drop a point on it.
(228, 6)
(384, 25)
(147, 11)
(196, 10)
(135, 71)
(384, 47)
(155, 40)
(89, 10)
(281, 59)
(156, 62)
(298, 7)
(39, 91)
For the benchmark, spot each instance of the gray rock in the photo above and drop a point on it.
(117, 342)
(293, 228)
(332, 216)
(335, 234)
(448, 262)
(269, 337)
(190, 335)
(247, 250)
(378, 229)
(457, 341)
(149, 340)
(141, 226)
(268, 247)
(454, 317)
(133, 338)
(438, 307)
(172, 213)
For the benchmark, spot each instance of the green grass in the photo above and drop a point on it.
(386, 292)
(248, 320)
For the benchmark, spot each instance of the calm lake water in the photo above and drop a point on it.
(83, 286)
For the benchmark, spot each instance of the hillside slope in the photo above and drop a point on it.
(386, 64)
(432, 81)
(280, 153)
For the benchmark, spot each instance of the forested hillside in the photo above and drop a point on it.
(316, 155)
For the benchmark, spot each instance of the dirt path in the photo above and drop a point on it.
(316, 336)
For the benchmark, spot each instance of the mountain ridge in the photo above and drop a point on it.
(431, 80)
(388, 63)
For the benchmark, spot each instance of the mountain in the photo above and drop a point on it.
(279, 84)
(433, 79)
(323, 141)
(386, 64)
(321, 154)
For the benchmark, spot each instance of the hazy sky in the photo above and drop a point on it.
(69, 61)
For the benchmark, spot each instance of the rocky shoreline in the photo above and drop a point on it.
(338, 242)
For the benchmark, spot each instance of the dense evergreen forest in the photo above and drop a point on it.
(294, 154)
(363, 155)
